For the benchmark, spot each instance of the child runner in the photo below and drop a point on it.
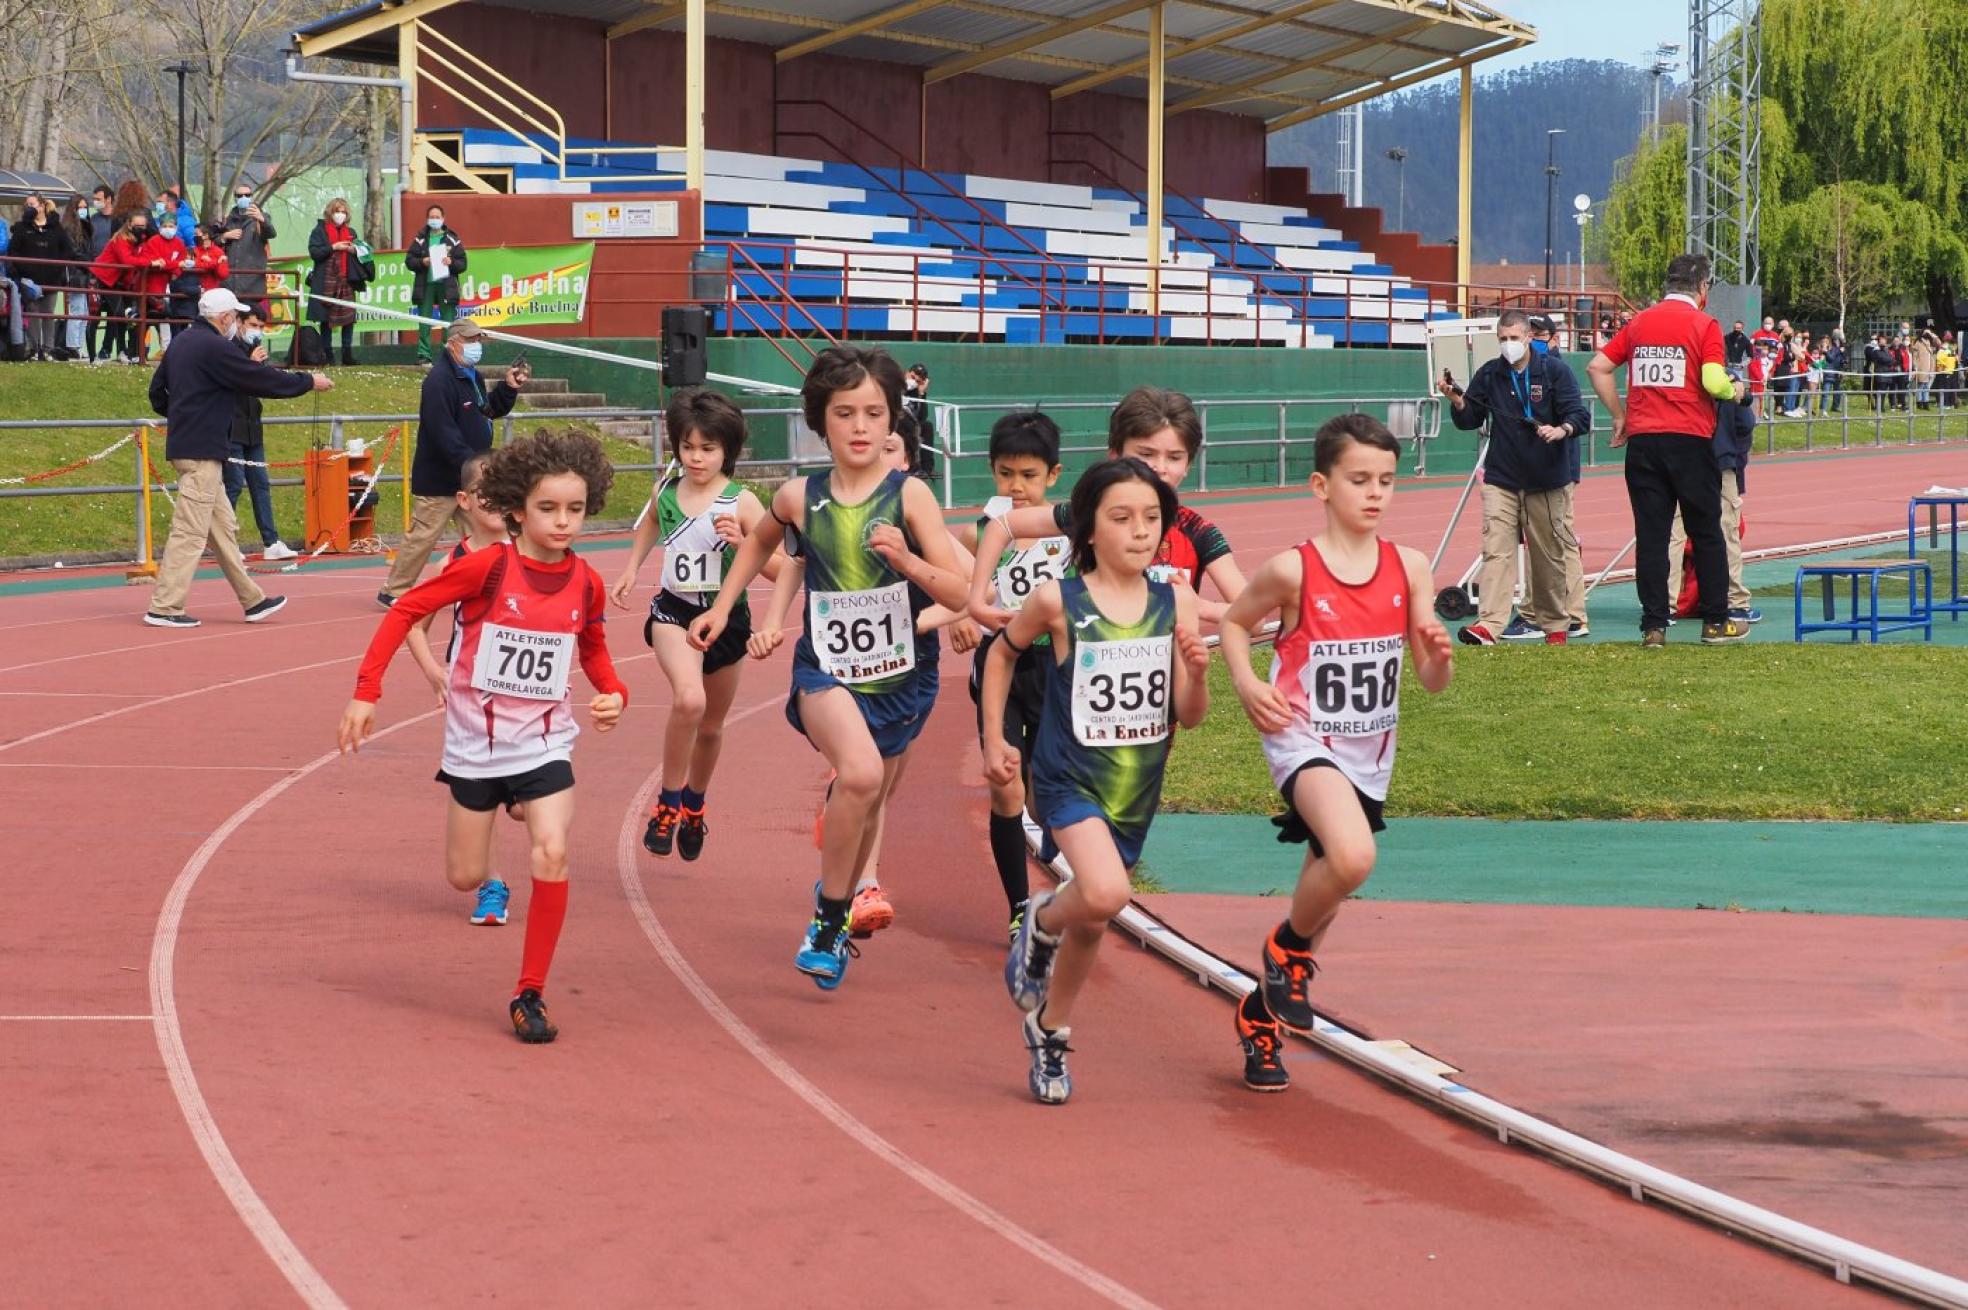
(1346, 600)
(1127, 659)
(468, 868)
(1160, 428)
(530, 607)
(1024, 455)
(699, 518)
(876, 553)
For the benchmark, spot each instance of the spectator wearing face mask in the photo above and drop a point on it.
(98, 228)
(435, 259)
(246, 235)
(454, 423)
(341, 270)
(1835, 360)
(1531, 402)
(119, 270)
(37, 237)
(245, 469)
(1736, 345)
(164, 257)
(170, 209)
(1766, 335)
(1922, 348)
(208, 260)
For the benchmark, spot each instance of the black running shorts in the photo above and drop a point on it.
(482, 794)
(726, 651)
(1291, 828)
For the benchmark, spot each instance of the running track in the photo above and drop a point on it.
(255, 1056)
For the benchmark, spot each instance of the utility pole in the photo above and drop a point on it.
(1551, 170)
(1662, 61)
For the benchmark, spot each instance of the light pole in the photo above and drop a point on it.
(1582, 206)
(1399, 154)
(1551, 136)
(183, 70)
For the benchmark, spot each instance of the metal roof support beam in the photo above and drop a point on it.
(1249, 88)
(1296, 24)
(384, 20)
(652, 17)
(873, 23)
(992, 54)
(693, 97)
(1465, 186)
(1218, 37)
(1381, 88)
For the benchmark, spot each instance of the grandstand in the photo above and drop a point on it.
(1080, 172)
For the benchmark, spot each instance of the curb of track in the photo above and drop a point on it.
(1846, 1260)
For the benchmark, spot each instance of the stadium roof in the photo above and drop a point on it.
(1282, 60)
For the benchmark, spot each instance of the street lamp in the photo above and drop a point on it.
(1399, 154)
(1551, 136)
(183, 70)
(1582, 206)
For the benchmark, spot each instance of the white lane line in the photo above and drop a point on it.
(301, 1275)
(153, 764)
(796, 1082)
(123, 615)
(81, 695)
(77, 1018)
(245, 629)
(165, 700)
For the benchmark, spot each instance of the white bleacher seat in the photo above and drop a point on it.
(767, 221)
(734, 163)
(1029, 193)
(1057, 217)
(783, 195)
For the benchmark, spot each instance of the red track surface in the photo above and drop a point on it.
(710, 1130)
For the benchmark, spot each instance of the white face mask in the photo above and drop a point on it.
(471, 353)
(252, 336)
(1514, 352)
(232, 329)
(341, 220)
(242, 202)
(436, 224)
(167, 232)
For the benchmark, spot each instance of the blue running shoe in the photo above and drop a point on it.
(1748, 614)
(1051, 1082)
(824, 953)
(491, 907)
(1028, 968)
(1522, 629)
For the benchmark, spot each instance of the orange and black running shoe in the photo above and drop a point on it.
(1287, 984)
(660, 836)
(529, 1018)
(690, 836)
(1263, 1043)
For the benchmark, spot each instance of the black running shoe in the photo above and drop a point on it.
(690, 835)
(1264, 1065)
(529, 1018)
(660, 835)
(1286, 986)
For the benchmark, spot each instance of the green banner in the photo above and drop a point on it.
(501, 286)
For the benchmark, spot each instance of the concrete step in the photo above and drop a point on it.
(539, 386)
(641, 431)
(565, 400)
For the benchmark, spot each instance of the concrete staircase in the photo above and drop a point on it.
(546, 395)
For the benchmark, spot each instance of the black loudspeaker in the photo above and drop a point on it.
(685, 328)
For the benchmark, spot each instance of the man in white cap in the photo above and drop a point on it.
(196, 388)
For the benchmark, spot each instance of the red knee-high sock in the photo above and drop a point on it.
(545, 912)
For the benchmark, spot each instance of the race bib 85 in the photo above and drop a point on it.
(1024, 573)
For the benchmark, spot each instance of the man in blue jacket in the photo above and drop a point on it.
(1531, 401)
(196, 387)
(454, 422)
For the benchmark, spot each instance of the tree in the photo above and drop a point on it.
(240, 110)
(1646, 222)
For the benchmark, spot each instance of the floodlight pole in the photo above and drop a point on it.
(1399, 154)
(1551, 136)
(183, 70)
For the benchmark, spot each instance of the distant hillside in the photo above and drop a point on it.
(1598, 103)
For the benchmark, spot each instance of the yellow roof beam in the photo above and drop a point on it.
(1394, 83)
(1218, 37)
(1250, 87)
(654, 17)
(859, 27)
(384, 20)
(1039, 36)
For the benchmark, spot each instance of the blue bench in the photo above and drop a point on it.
(1954, 605)
(1866, 615)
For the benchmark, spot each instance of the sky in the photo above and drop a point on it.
(1587, 29)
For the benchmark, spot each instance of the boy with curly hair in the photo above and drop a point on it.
(529, 608)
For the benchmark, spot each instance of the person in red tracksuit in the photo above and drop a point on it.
(120, 271)
(208, 260)
(159, 260)
(531, 609)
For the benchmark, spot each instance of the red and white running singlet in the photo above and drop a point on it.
(509, 705)
(1340, 671)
